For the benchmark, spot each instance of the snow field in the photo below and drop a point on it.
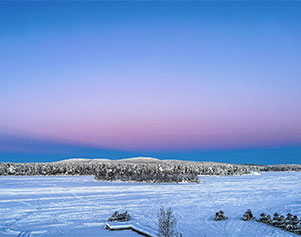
(80, 206)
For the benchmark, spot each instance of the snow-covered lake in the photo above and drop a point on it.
(80, 206)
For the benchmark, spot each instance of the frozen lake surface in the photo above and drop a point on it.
(80, 206)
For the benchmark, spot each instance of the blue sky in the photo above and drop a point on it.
(187, 80)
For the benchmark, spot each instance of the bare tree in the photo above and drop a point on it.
(166, 223)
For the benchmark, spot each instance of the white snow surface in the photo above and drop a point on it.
(80, 206)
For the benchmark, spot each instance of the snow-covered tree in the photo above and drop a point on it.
(166, 223)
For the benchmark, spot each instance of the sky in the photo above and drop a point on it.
(217, 81)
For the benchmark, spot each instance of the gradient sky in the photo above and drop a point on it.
(197, 80)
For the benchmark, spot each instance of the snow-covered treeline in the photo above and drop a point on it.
(292, 167)
(145, 172)
(140, 170)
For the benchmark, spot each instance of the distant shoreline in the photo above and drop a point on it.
(139, 169)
